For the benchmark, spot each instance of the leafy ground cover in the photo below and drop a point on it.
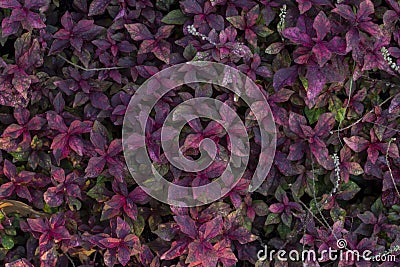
(330, 72)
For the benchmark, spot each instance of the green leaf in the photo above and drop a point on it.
(283, 230)
(75, 59)
(393, 217)
(377, 207)
(264, 32)
(313, 206)
(48, 209)
(7, 242)
(279, 193)
(272, 218)
(348, 190)
(338, 214)
(268, 229)
(339, 116)
(247, 223)
(36, 143)
(175, 17)
(190, 52)
(153, 222)
(162, 169)
(74, 204)
(379, 131)
(395, 207)
(20, 154)
(287, 219)
(7, 12)
(274, 48)
(103, 179)
(260, 207)
(138, 225)
(313, 114)
(97, 192)
(335, 106)
(304, 82)
(11, 231)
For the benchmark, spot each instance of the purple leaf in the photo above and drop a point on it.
(138, 32)
(345, 11)
(9, 4)
(325, 124)
(19, 263)
(276, 208)
(316, 81)
(187, 225)
(395, 104)
(162, 50)
(110, 242)
(177, 249)
(356, 143)
(295, 35)
(95, 166)
(295, 123)
(212, 228)
(285, 77)
(322, 53)
(97, 7)
(191, 7)
(124, 255)
(202, 252)
(321, 25)
(287, 167)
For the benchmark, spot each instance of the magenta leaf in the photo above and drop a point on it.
(20, 263)
(276, 208)
(177, 249)
(202, 252)
(187, 225)
(212, 228)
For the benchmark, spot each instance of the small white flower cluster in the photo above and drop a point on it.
(337, 173)
(238, 49)
(193, 31)
(336, 161)
(282, 17)
(388, 59)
